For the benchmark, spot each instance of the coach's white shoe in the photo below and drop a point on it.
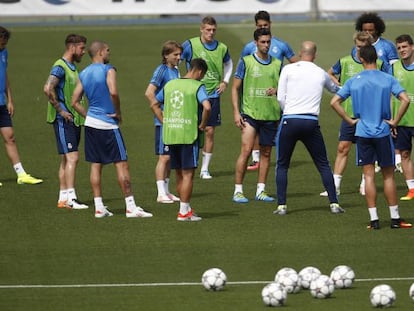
(325, 193)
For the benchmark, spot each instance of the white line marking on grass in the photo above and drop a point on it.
(25, 286)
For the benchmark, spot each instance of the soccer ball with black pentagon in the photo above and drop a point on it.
(382, 296)
(342, 276)
(274, 295)
(214, 279)
(322, 287)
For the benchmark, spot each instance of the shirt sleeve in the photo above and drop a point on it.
(281, 88)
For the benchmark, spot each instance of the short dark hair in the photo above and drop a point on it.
(262, 15)
(261, 32)
(208, 20)
(371, 17)
(404, 38)
(74, 39)
(368, 54)
(4, 33)
(198, 64)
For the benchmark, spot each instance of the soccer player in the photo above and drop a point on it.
(220, 66)
(370, 91)
(374, 25)
(278, 49)
(345, 68)
(7, 112)
(403, 71)
(168, 70)
(103, 139)
(185, 115)
(256, 111)
(65, 120)
(299, 93)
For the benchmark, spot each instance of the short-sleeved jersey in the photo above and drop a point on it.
(162, 74)
(348, 66)
(215, 54)
(404, 75)
(370, 91)
(182, 100)
(258, 76)
(3, 73)
(386, 50)
(278, 49)
(93, 79)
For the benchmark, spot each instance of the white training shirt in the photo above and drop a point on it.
(301, 86)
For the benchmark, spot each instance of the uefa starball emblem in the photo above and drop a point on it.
(177, 99)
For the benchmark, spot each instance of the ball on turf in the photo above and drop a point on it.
(289, 279)
(382, 296)
(307, 275)
(342, 276)
(322, 287)
(274, 295)
(411, 291)
(214, 279)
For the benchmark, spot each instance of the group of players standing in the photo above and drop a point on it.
(257, 113)
(187, 110)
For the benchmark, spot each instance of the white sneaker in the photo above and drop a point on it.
(190, 216)
(336, 209)
(75, 204)
(137, 212)
(205, 175)
(325, 193)
(103, 213)
(173, 197)
(164, 199)
(281, 210)
(362, 189)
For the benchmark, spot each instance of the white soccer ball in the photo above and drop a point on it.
(289, 279)
(274, 295)
(382, 296)
(214, 279)
(411, 291)
(322, 287)
(307, 275)
(342, 276)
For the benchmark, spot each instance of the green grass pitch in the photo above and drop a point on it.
(81, 263)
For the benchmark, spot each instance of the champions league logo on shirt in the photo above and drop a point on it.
(177, 99)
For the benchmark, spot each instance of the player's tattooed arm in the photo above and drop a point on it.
(50, 90)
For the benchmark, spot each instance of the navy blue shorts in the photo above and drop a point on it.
(370, 150)
(347, 132)
(5, 119)
(104, 146)
(404, 138)
(265, 129)
(67, 136)
(160, 148)
(184, 156)
(215, 113)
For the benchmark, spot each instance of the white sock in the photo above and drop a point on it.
(337, 181)
(256, 155)
(18, 168)
(410, 183)
(71, 194)
(362, 181)
(238, 188)
(206, 161)
(130, 203)
(167, 185)
(161, 187)
(184, 208)
(373, 213)
(99, 206)
(260, 188)
(397, 158)
(63, 195)
(394, 212)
